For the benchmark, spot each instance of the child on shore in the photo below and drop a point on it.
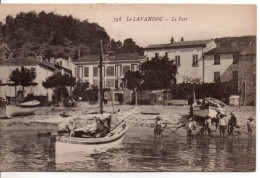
(250, 127)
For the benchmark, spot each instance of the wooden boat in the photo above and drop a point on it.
(209, 108)
(68, 146)
(24, 109)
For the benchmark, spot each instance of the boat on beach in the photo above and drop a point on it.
(23, 109)
(208, 107)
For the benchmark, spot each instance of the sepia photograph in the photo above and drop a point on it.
(128, 87)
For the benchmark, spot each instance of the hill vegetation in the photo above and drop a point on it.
(52, 35)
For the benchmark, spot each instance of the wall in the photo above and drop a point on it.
(185, 70)
(41, 75)
(247, 73)
(226, 68)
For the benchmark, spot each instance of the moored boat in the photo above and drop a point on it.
(24, 109)
(68, 145)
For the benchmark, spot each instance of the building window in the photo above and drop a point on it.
(110, 71)
(134, 67)
(178, 60)
(79, 72)
(95, 71)
(235, 59)
(60, 63)
(126, 68)
(195, 60)
(118, 70)
(86, 72)
(216, 76)
(216, 59)
(166, 54)
(156, 55)
(235, 76)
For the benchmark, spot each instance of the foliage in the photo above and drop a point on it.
(86, 92)
(215, 90)
(58, 83)
(51, 31)
(22, 77)
(158, 73)
(128, 46)
(132, 80)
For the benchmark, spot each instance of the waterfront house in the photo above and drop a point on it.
(114, 68)
(43, 70)
(188, 55)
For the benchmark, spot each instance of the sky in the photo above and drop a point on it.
(198, 22)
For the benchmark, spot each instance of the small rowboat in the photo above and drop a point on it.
(23, 109)
(67, 145)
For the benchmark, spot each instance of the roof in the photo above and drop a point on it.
(181, 44)
(19, 62)
(107, 58)
(31, 62)
(249, 50)
(222, 51)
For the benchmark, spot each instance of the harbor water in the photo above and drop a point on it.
(21, 149)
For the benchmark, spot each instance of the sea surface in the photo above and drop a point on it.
(21, 149)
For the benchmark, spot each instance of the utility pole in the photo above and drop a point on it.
(101, 78)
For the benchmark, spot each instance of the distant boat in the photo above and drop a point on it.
(208, 108)
(24, 109)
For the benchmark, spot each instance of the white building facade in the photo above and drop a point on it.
(114, 68)
(188, 56)
(42, 72)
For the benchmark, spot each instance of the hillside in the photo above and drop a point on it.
(30, 34)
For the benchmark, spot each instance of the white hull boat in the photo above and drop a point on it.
(211, 109)
(67, 147)
(206, 111)
(23, 109)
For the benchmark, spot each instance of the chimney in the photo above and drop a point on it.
(172, 40)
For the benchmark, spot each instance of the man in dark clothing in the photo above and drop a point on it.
(232, 123)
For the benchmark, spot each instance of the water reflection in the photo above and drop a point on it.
(22, 150)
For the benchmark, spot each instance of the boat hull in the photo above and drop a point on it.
(12, 111)
(206, 111)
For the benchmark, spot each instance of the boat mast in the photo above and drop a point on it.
(101, 78)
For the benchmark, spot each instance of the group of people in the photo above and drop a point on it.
(223, 124)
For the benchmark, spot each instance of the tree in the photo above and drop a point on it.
(132, 81)
(182, 39)
(58, 84)
(158, 73)
(22, 77)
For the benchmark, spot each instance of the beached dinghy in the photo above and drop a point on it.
(24, 109)
(208, 108)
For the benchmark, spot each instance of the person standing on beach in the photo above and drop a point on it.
(250, 127)
(222, 124)
(232, 124)
(191, 125)
(207, 126)
(158, 126)
(105, 99)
